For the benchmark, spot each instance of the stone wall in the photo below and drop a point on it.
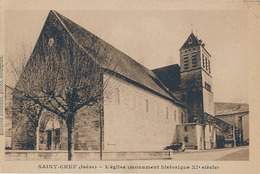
(187, 133)
(62, 155)
(191, 90)
(86, 131)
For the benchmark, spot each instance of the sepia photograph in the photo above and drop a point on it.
(159, 86)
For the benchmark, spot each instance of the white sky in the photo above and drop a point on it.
(153, 38)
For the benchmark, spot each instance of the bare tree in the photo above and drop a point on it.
(62, 79)
(14, 69)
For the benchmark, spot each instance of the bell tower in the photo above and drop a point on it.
(196, 80)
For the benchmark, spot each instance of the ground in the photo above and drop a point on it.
(225, 154)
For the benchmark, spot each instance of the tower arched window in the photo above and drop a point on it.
(203, 60)
(206, 63)
(209, 65)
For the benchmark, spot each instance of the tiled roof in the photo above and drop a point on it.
(111, 58)
(230, 108)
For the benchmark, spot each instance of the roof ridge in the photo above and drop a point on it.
(63, 20)
(72, 36)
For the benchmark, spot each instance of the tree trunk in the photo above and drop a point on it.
(70, 124)
(37, 137)
(36, 142)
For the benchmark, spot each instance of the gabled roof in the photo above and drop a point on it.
(119, 62)
(230, 108)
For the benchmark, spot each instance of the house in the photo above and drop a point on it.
(237, 115)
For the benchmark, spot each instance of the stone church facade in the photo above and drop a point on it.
(144, 110)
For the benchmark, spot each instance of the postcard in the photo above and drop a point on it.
(129, 86)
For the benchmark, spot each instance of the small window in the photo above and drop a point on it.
(147, 105)
(186, 64)
(186, 57)
(193, 48)
(174, 115)
(185, 128)
(185, 139)
(167, 113)
(186, 67)
(185, 61)
(194, 55)
(117, 96)
(190, 41)
(209, 128)
(194, 66)
(181, 117)
(207, 86)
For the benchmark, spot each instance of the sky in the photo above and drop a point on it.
(153, 38)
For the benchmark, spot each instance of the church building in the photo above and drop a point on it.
(143, 110)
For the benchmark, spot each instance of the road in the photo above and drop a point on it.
(225, 154)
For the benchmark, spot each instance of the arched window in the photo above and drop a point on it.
(167, 113)
(117, 96)
(185, 128)
(206, 63)
(209, 65)
(203, 60)
(147, 105)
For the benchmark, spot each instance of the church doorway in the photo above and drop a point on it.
(53, 135)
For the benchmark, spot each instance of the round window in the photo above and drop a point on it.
(51, 42)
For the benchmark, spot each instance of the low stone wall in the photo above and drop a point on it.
(62, 155)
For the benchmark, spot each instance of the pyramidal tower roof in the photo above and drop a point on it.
(191, 42)
(103, 53)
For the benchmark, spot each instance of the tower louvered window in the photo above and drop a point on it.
(203, 60)
(209, 65)
(206, 63)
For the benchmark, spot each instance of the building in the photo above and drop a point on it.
(139, 113)
(237, 115)
(192, 82)
(143, 110)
